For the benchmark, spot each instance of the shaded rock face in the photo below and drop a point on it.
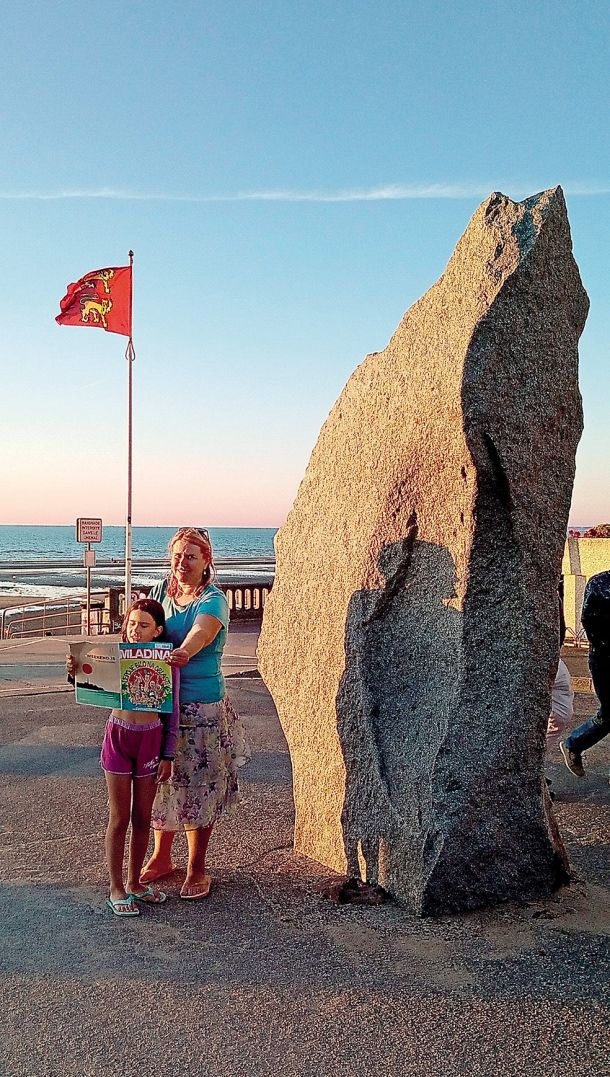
(411, 636)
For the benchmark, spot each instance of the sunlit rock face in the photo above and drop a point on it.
(411, 636)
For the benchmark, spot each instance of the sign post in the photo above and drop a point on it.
(88, 530)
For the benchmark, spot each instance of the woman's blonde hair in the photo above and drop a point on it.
(198, 536)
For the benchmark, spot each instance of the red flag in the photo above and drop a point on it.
(101, 299)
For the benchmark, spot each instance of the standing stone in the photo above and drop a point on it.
(411, 636)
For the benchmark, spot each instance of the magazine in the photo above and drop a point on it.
(146, 677)
(125, 676)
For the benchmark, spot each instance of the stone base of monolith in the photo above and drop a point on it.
(411, 636)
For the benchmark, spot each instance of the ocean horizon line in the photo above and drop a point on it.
(165, 527)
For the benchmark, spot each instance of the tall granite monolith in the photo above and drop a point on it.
(411, 637)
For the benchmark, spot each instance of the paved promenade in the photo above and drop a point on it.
(267, 976)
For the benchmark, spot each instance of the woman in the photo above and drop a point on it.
(211, 742)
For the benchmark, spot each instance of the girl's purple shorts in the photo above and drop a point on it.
(132, 749)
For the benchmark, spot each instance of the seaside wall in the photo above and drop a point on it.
(36, 617)
(582, 558)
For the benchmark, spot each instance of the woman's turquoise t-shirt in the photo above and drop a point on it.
(201, 680)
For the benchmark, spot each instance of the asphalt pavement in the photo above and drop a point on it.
(268, 976)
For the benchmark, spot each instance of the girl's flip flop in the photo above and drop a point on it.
(123, 906)
(150, 896)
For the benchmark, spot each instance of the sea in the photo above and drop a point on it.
(47, 544)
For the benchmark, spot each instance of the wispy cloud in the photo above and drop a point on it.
(387, 193)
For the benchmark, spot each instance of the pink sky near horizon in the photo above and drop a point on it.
(66, 506)
(260, 504)
(243, 488)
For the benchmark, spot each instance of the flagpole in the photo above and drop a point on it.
(130, 356)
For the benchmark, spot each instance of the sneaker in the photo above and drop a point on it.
(573, 760)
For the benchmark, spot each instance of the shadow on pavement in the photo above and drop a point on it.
(39, 759)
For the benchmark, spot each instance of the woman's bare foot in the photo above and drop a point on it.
(155, 869)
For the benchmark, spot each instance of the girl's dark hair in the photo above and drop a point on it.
(147, 605)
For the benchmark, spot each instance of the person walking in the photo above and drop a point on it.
(595, 618)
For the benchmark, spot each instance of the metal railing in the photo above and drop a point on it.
(576, 638)
(62, 616)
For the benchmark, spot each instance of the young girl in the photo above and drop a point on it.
(137, 754)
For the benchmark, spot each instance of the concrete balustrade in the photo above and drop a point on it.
(583, 558)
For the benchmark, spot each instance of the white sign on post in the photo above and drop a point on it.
(88, 530)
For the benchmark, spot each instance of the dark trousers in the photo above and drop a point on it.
(588, 733)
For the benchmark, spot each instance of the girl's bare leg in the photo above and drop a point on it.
(197, 841)
(160, 862)
(144, 790)
(119, 797)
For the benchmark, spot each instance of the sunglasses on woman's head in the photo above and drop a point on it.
(203, 531)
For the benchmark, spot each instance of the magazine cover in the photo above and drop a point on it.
(97, 679)
(125, 676)
(145, 677)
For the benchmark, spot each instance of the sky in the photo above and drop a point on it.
(291, 178)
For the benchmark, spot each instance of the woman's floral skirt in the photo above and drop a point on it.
(210, 749)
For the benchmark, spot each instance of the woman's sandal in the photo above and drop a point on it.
(150, 875)
(196, 891)
(123, 906)
(150, 896)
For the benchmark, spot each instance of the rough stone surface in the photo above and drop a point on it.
(411, 636)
